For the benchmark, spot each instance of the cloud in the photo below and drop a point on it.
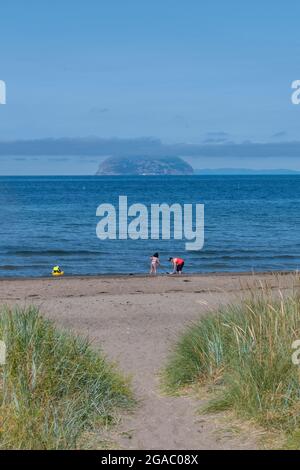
(98, 111)
(217, 134)
(97, 147)
(216, 137)
(217, 140)
(278, 135)
(59, 159)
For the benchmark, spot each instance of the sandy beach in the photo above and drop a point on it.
(135, 320)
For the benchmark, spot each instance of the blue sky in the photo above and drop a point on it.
(193, 72)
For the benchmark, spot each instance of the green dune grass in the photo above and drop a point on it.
(245, 352)
(53, 385)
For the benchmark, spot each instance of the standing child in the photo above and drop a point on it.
(154, 263)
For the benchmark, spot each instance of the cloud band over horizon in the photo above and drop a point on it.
(146, 147)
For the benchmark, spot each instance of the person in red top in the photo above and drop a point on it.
(178, 264)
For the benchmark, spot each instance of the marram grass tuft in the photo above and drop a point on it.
(245, 350)
(53, 385)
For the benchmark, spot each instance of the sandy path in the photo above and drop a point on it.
(136, 320)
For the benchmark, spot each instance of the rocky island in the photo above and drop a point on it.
(144, 166)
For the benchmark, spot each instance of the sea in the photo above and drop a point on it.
(252, 224)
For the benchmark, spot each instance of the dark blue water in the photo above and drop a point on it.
(251, 223)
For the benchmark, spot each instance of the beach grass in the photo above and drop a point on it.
(54, 386)
(243, 354)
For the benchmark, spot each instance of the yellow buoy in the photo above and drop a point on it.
(56, 271)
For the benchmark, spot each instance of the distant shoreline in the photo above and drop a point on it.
(244, 172)
(196, 173)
